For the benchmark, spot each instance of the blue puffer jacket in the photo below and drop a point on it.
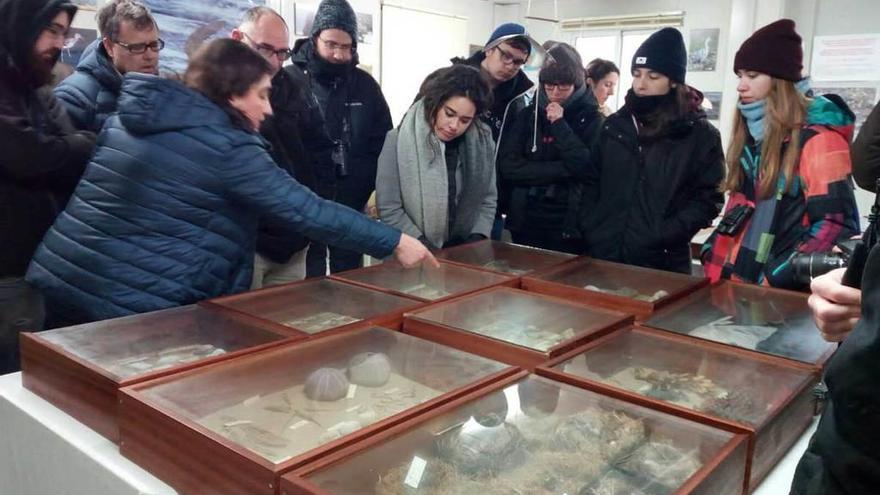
(89, 95)
(166, 212)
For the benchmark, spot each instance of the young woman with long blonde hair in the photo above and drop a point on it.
(788, 167)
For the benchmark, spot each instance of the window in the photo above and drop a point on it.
(617, 46)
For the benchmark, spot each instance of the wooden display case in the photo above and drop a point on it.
(771, 321)
(503, 257)
(233, 429)
(626, 288)
(530, 435)
(425, 283)
(319, 307)
(514, 326)
(80, 369)
(765, 396)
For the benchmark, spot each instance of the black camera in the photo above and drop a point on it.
(339, 158)
(808, 266)
(734, 221)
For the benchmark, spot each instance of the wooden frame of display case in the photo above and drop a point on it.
(705, 481)
(537, 282)
(688, 299)
(392, 319)
(193, 459)
(794, 415)
(90, 393)
(496, 349)
(560, 257)
(508, 281)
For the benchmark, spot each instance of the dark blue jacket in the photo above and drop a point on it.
(89, 95)
(166, 212)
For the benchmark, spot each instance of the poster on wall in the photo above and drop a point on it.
(77, 40)
(703, 50)
(861, 100)
(846, 58)
(365, 28)
(86, 4)
(186, 24)
(712, 105)
(303, 17)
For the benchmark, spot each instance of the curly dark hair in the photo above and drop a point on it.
(457, 80)
(225, 68)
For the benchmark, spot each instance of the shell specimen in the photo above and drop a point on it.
(326, 384)
(369, 369)
(483, 451)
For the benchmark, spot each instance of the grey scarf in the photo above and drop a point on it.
(421, 164)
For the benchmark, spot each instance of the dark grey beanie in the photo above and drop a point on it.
(336, 14)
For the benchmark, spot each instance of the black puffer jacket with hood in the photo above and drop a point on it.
(41, 154)
(647, 197)
(543, 164)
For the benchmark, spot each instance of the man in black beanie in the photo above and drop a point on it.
(42, 155)
(356, 113)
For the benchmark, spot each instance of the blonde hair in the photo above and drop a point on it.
(785, 115)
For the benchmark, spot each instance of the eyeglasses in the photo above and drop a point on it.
(558, 87)
(508, 58)
(139, 48)
(336, 47)
(269, 51)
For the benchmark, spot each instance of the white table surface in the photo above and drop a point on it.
(43, 450)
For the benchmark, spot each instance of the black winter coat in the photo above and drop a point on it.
(842, 457)
(544, 174)
(355, 112)
(646, 199)
(301, 147)
(866, 152)
(42, 156)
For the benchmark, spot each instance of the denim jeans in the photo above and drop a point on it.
(21, 310)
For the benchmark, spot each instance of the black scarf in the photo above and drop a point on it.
(323, 69)
(643, 106)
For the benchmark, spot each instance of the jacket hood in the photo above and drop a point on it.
(96, 62)
(149, 104)
(305, 57)
(21, 22)
(831, 111)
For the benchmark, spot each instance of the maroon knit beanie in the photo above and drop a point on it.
(775, 50)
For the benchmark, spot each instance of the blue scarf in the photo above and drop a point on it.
(754, 112)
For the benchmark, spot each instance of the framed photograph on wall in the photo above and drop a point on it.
(77, 40)
(703, 50)
(185, 25)
(365, 28)
(303, 18)
(712, 105)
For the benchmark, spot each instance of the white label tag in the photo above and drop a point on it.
(641, 60)
(298, 424)
(352, 389)
(416, 470)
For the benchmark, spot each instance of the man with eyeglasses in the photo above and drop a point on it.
(129, 43)
(300, 145)
(41, 156)
(355, 110)
(509, 48)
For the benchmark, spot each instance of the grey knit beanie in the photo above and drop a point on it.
(336, 14)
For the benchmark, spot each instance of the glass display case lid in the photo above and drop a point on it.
(140, 344)
(525, 319)
(503, 257)
(281, 403)
(425, 282)
(772, 321)
(314, 306)
(728, 385)
(616, 279)
(535, 436)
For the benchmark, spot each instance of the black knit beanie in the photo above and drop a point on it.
(336, 14)
(663, 52)
(775, 50)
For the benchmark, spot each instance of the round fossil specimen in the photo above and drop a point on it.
(479, 451)
(369, 369)
(326, 384)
